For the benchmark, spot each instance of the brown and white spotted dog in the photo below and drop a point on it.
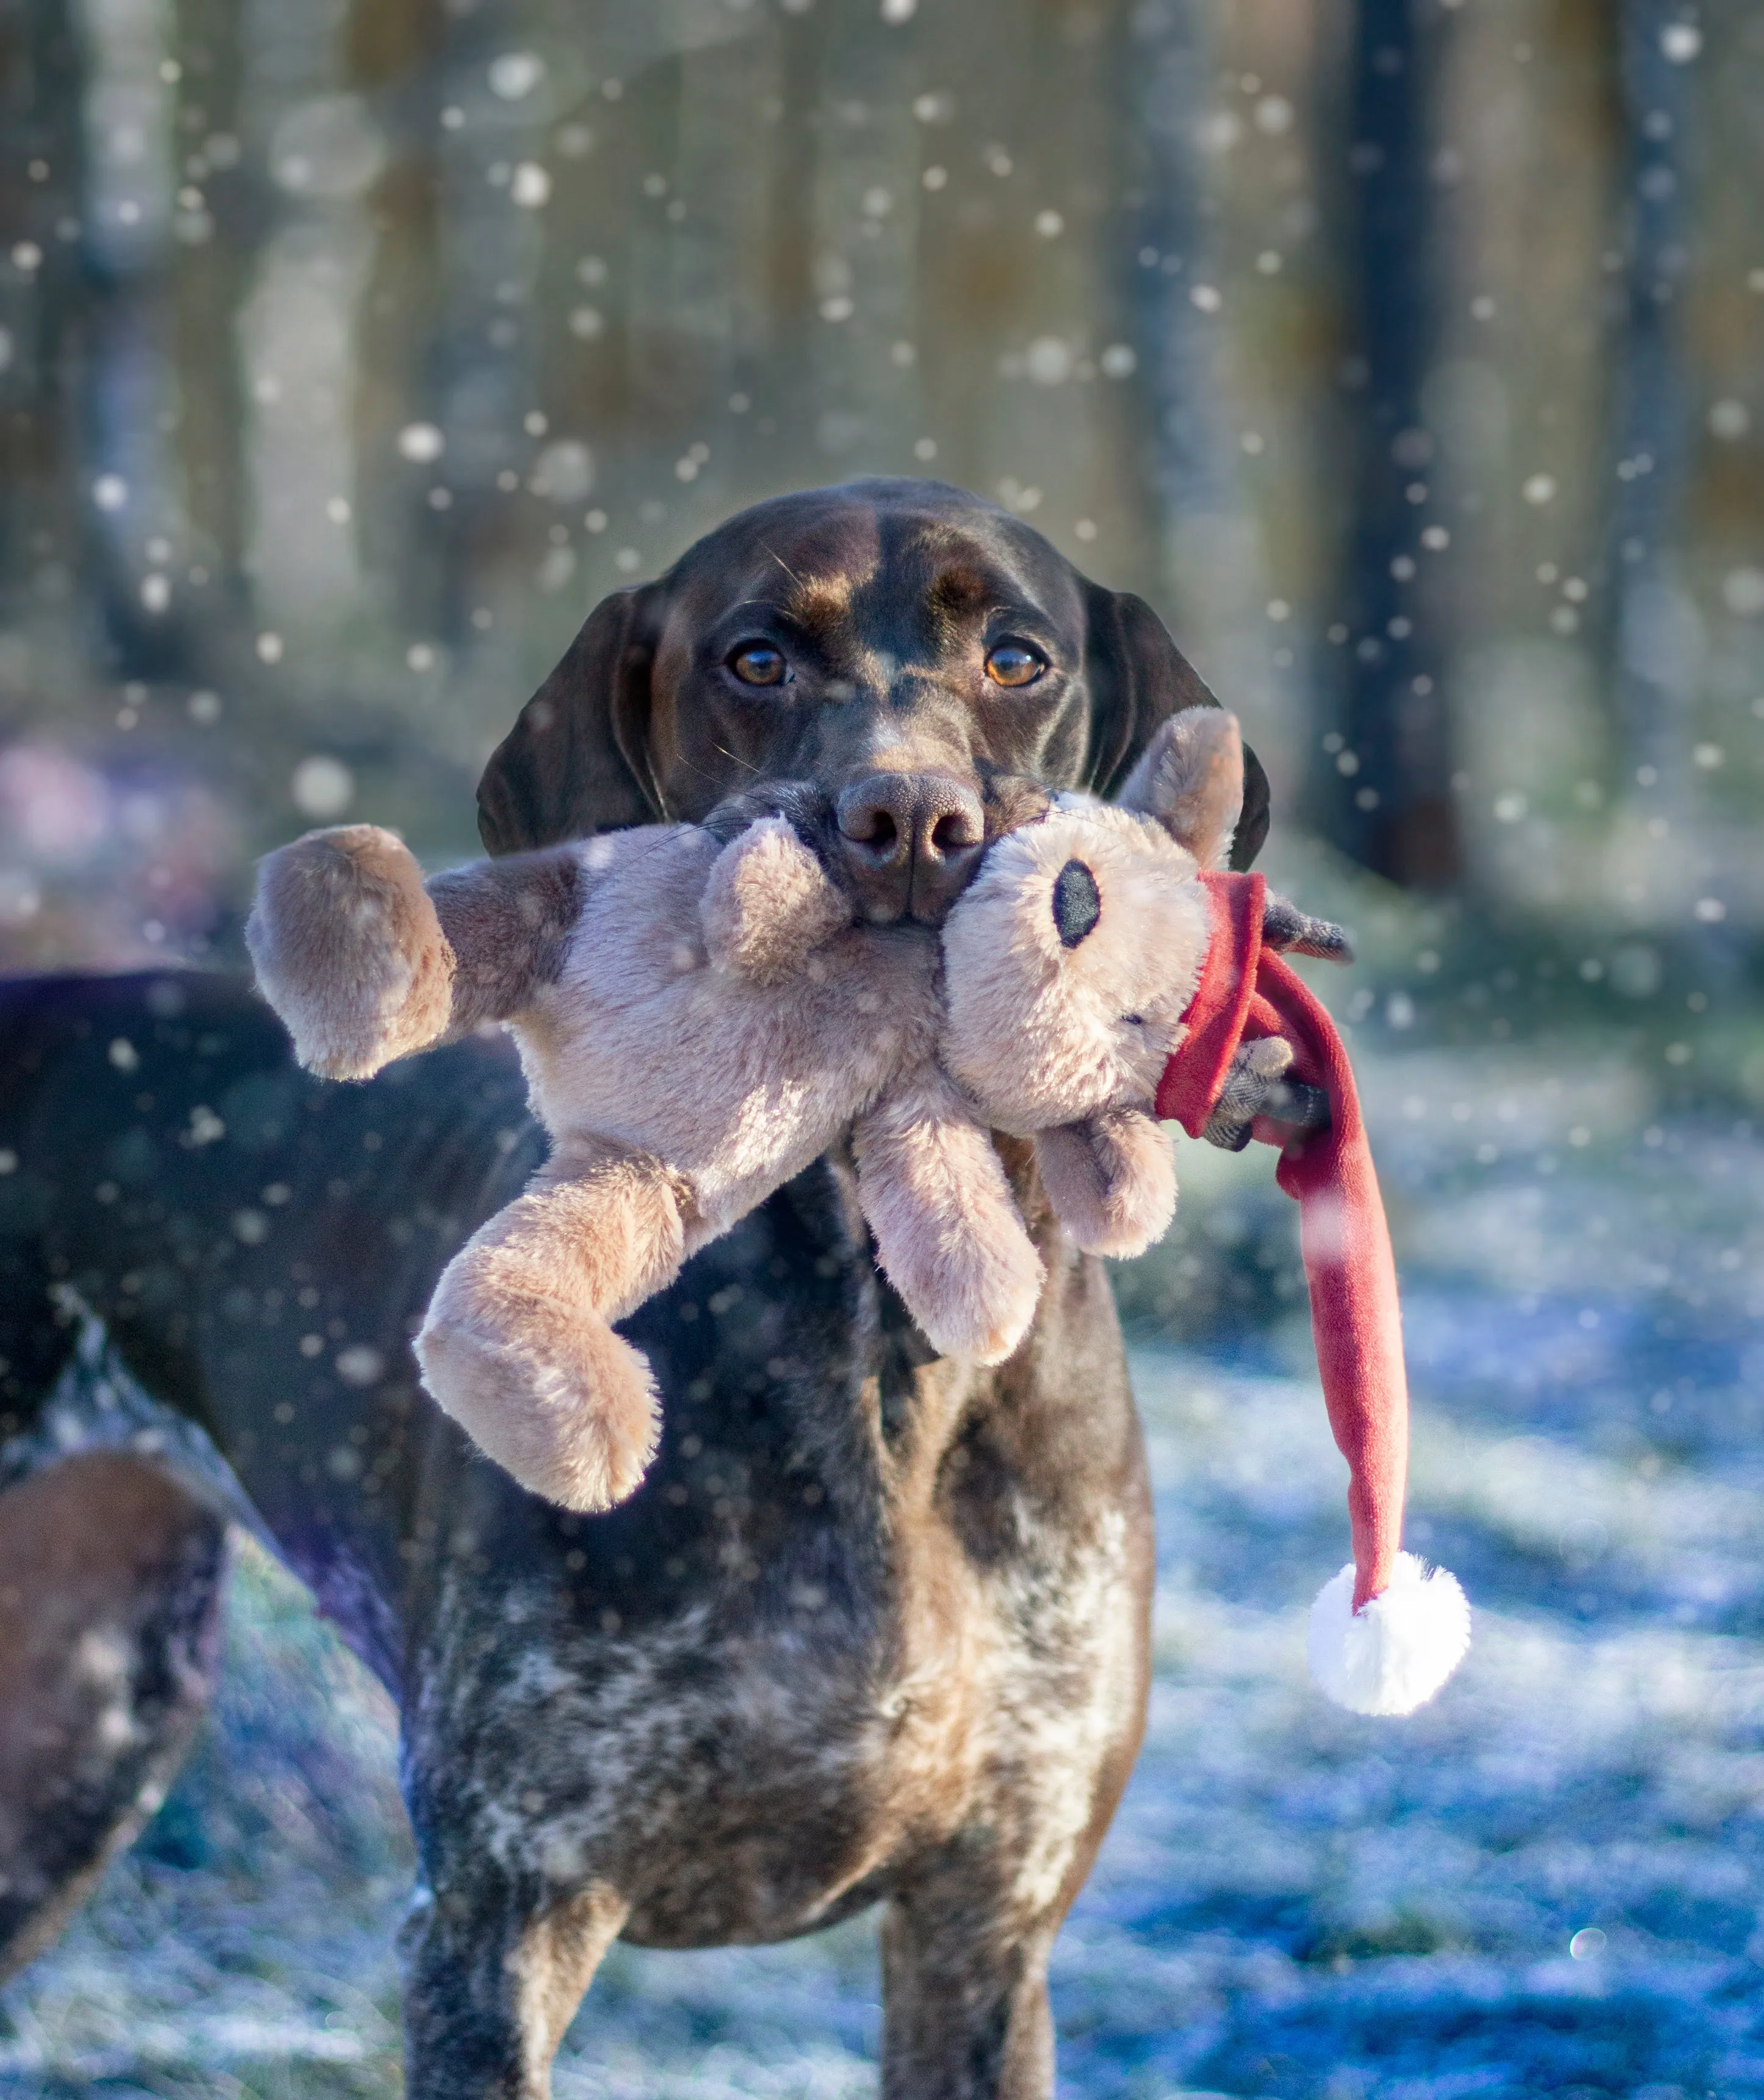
(875, 1627)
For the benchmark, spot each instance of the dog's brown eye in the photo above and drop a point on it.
(1015, 664)
(758, 664)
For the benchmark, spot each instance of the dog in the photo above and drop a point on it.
(875, 1627)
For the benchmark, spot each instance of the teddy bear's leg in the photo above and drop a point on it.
(947, 1229)
(518, 1345)
(1110, 1180)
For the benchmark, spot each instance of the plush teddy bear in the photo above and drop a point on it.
(1102, 975)
(1062, 1012)
(698, 1021)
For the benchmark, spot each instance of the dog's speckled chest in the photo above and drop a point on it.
(783, 1749)
(852, 1609)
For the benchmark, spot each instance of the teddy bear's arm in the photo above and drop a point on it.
(365, 963)
(508, 923)
(947, 1229)
(769, 904)
(517, 1344)
(1110, 1180)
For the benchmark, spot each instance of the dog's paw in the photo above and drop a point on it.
(349, 951)
(554, 1396)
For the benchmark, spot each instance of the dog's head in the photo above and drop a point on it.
(904, 670)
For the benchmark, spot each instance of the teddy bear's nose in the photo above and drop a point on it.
(909, 842)
(1077, 902)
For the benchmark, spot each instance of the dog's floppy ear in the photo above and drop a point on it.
(1138, 678)
(576, 760)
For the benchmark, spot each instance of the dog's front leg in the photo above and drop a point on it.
(964, 1997)
(493, 1973)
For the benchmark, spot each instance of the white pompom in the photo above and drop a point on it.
(1393, 1656)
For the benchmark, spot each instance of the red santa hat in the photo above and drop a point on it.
(1387, 1631)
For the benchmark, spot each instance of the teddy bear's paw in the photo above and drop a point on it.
(1259, 1089)
(349, 951)
(1111, 1180)
(769, 904)
(1256, 1071)
(977, 1297)
(570, 1409)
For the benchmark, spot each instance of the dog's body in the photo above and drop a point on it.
(876, 1625)
(872, 1625)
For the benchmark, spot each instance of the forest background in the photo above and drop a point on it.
(1406, 354)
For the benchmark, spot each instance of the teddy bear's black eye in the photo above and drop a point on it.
(758, 664)
(1077, 902)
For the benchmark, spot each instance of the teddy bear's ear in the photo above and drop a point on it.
(1191, 780)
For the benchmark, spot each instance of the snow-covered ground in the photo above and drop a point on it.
(1547, 1883)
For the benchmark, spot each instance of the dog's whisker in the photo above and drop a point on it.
(784, 565)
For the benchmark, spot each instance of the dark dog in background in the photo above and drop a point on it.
(876, 1626)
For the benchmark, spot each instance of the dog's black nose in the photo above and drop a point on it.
(909, 841)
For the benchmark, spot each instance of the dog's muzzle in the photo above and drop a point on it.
(908, 843)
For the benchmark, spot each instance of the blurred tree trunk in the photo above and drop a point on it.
(1649, 631)
(132, 389)
(396, 54)
(40, 290)
(1214, 562)
(1384, 796)
(213, 274)
(1169, 60)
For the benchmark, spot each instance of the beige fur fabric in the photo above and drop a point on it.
(519, 1346)
(1041, 1033)
(697, 1023)
(1190, 777)
(765, 909)
(350, 951)
(934, 1191)
(1068, 964)
(1111, 1180)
